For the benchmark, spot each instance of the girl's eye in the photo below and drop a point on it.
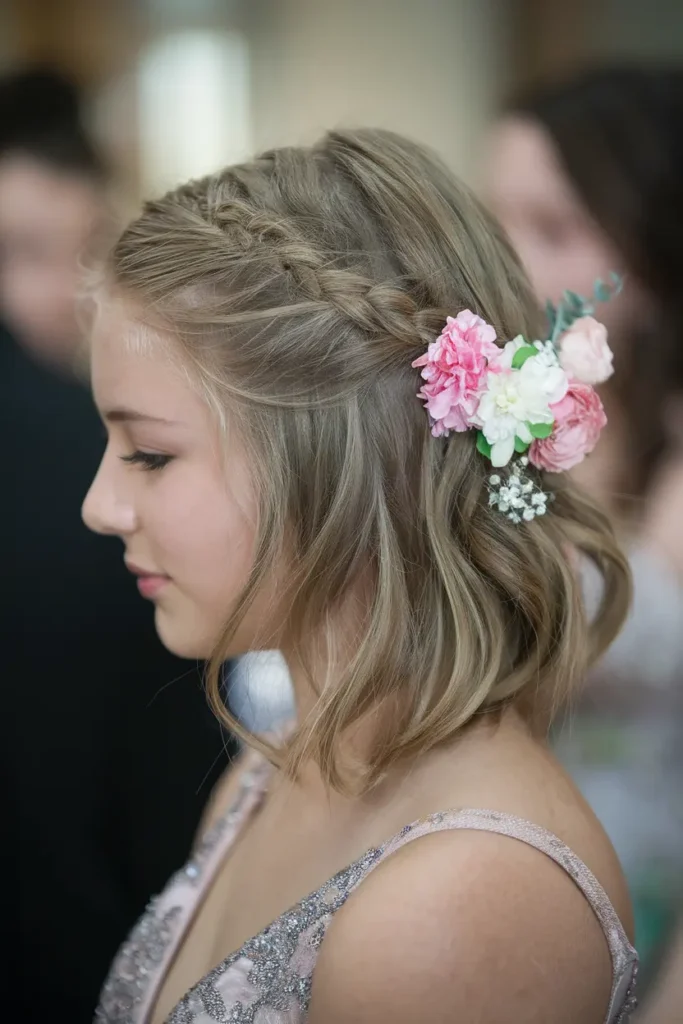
(148, 460)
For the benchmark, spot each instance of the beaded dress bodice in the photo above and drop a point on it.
(268, 980)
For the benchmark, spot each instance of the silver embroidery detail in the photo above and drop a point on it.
(278, 986)
(276, 983)
(134, 966)
(127, 984)
(631, 1000)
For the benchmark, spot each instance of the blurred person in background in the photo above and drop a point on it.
(99, 805)
(587, 178)
(53, 210)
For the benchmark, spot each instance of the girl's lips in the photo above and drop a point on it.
(150, 584)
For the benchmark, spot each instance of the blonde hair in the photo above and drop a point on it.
(301, 286)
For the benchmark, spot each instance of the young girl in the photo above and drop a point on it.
(327, 435)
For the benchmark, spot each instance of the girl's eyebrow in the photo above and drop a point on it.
(124, 415)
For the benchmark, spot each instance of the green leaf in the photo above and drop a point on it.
(574, 301)
(601, 292)
(483, 447)
(521, 446)
(604, 292)
(560, 326)
(572, 306)
(617, 282)
(521, 356)
(540, 430)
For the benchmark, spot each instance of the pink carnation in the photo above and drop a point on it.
(454, 368)
(579, 418)
(584, 352)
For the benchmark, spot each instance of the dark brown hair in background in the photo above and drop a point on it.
(41, 117)
(618, 132)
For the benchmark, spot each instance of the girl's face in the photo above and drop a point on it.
(557, 240)
(183, 506)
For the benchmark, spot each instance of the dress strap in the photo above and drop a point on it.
(145, 958)
(624, 956)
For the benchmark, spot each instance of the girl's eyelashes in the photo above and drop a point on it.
(147, 460)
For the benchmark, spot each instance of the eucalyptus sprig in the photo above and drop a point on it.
(572, 306)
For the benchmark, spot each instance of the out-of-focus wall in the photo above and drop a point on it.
(633, 29)
(434, 70)
(88, 39)
(7, 35)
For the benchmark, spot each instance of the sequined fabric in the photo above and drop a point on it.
(268, 980)
(272, 971)
(142, 961)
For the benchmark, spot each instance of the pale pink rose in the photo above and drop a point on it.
(454, 368)
(584, 352)
(579, 418)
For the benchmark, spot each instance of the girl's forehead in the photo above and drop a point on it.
(136, 367)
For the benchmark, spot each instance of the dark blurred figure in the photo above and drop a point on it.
(109, 751)
(52, 209)
(587, 177)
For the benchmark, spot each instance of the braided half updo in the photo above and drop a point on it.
(301, 287)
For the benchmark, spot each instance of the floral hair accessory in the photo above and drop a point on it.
(532, 403)
(454, 367)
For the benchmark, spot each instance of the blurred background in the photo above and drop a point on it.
(103, 102)
(157, 74)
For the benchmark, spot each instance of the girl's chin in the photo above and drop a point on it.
(181, 638)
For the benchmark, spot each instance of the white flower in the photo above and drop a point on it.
(546, 352)
(543, 381)
(509, 351)
(515, 398)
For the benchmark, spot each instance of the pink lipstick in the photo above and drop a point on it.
(150, 584)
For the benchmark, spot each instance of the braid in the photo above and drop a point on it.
(385, 309)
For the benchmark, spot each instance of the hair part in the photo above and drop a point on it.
(301, 287)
